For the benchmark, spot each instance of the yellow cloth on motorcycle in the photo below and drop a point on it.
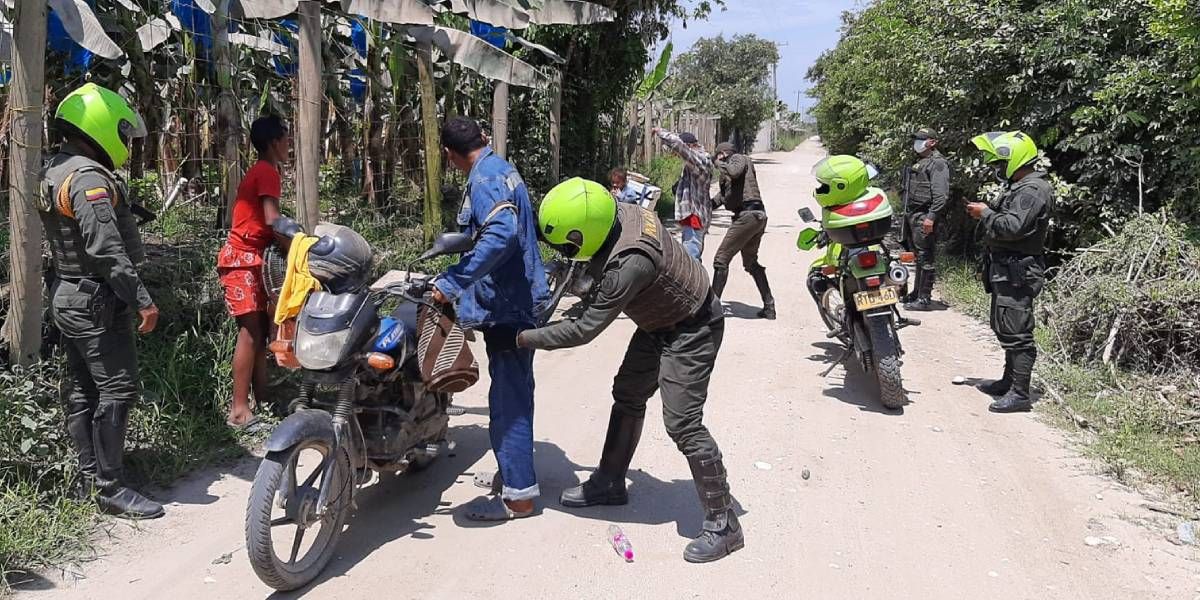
(298, 282)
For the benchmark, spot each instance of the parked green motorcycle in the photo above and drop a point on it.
(856, 283)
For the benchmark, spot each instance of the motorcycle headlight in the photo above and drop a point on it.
(318, 352)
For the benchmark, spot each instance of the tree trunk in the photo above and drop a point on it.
(432, 136)
(500, 119)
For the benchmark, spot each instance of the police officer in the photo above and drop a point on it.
(740, 194)
(649, 276)
(1015, 267)
(86, 212)
(928, 190)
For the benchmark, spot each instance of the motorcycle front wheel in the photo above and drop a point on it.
(288, 540)
(885, 358)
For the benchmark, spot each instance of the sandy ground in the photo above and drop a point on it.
(942, 501)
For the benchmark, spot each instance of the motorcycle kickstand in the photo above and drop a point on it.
(833, 365)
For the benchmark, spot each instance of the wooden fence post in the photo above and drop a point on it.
(229, 120)
(433, 147)
(556, 127)
(308, 126)
(24, 322)
(647, 134)
(500, 119)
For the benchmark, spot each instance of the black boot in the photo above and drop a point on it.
(764, 290)
(720, 278)
(922, 298)
(607, 484)
(1017, 399)
(1000, 387)
(722, 534)
(108, 429)
(79, 427)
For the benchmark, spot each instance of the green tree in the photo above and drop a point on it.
(1106, 88)
(731, 79)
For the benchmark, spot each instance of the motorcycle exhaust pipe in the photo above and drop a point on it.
(897, 274)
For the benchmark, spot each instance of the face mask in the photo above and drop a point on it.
(919, 146)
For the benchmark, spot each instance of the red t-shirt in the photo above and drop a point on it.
(251, 232)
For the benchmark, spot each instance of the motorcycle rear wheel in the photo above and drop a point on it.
(295, 503)
(885, 357)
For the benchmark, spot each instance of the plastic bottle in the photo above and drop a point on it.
(620, 542)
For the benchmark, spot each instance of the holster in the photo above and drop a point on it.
(102, 303)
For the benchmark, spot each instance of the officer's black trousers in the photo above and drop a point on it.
(679, 364)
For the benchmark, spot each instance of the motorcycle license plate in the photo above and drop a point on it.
(884, 296)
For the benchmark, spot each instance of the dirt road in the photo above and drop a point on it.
(942, 501)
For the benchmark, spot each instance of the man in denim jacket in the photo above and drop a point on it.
(499, 288)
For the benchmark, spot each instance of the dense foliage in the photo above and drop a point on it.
(730, 79)
(1108, 89)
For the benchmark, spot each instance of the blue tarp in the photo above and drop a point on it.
(78, 58)
(286, 67)
(358, 80)
(496, 36)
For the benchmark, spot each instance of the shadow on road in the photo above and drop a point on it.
(858, 388)
(652, 501)
(396, 506)
(740, 310)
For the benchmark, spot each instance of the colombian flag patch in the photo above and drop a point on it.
(97, 194)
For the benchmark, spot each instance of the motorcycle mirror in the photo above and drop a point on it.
(806, 215)
(807, 239)
(449, 243)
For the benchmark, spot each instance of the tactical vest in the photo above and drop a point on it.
(56, 209)
(681, 287)
(1035, 244)
(921, 184)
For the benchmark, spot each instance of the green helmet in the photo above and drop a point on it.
(987, 145)
(1015, 149)
(576, 218)
(105, 118)
(843, 178)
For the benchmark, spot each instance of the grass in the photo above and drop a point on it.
(787, 142)
(1136, 424)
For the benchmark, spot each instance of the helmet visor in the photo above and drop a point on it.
(130, 130)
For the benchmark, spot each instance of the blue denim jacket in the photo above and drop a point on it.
(502, 281)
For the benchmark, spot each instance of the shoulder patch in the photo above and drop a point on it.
(649, 223)
(1026, 202)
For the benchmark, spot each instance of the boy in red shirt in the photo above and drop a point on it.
(240, 264)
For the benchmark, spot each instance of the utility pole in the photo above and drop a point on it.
(775, 108)
(798, 92)
(24, 324)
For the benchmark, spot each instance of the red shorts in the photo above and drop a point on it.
(244, 291)
(241, 276)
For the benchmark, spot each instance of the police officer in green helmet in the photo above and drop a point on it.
(646, 274)
(1015, 266)
(88, 218)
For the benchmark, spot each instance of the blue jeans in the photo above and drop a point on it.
(510, 402)
(693, 242)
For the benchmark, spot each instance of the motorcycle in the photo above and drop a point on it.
(381, 419)
(857, 285)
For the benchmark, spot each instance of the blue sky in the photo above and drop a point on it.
(808, 27)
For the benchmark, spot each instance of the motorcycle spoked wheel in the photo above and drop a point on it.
(273, 513)
(885, 359)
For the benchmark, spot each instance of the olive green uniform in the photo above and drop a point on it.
(648, 276)
(95, 246)
(1015, 270)
(740, 194)
(928, 194)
